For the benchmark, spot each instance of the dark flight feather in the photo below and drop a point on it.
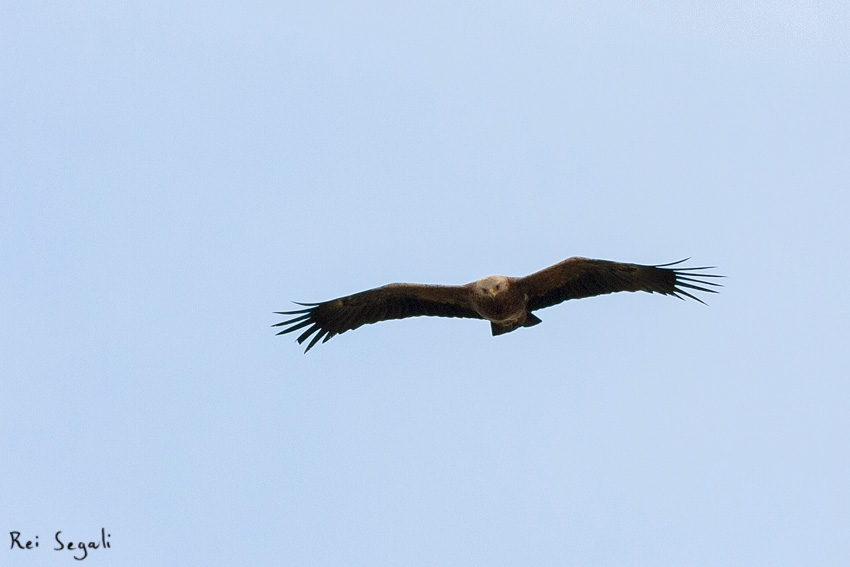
(576, 278)
(393, 301)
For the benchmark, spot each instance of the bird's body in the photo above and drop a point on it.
(498, 299)
(506, 302)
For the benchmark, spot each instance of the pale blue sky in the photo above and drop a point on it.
(173, 174)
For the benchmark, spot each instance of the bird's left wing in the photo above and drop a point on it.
(393, 301)
(575, 278)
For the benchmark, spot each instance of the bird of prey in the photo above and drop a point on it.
(504, 301)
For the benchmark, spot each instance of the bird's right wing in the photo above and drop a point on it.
(393, 301)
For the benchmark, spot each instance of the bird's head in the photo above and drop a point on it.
(492, 286)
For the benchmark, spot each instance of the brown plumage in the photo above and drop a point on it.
(506, 302)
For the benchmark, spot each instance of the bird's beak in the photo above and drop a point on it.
(492, 292)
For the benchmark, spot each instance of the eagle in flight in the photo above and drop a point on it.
(504, 301)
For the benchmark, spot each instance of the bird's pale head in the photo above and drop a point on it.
(492, 285)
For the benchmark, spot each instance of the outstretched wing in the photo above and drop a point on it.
(575, 278)
(393, 301)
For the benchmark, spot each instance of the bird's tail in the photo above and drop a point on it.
(530, 320)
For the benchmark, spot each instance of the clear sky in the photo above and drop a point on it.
(173, 173)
